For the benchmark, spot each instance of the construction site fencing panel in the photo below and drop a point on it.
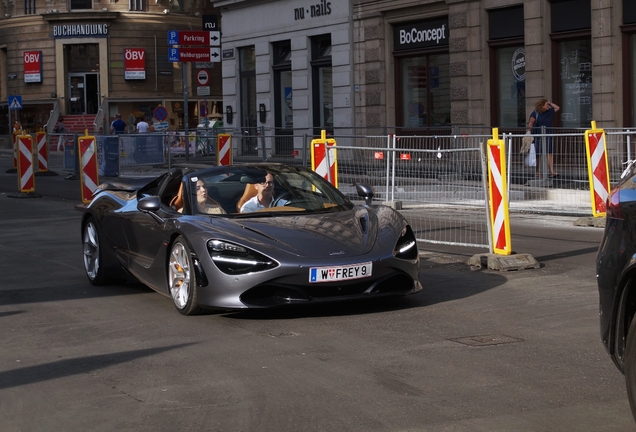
(440, 192)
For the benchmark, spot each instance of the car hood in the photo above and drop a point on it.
(347, 233)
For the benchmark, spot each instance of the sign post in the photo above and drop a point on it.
(212, 53)
(15, 104)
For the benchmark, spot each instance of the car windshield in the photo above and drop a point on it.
(262, 190)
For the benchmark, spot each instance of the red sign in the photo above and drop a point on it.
(405, 156)
(32, 66)
(203, 77)
(199, 54)
(134, 63)
(200, 38)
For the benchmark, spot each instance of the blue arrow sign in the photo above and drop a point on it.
(15, 102)
(173, 55)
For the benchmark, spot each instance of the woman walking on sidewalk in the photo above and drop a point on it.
(543, 115)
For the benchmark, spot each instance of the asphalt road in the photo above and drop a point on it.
(476, 350)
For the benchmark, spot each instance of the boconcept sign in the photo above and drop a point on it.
(422, 34)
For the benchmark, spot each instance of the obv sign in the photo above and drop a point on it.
(203, 77)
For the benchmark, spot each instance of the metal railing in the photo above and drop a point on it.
(436, 181)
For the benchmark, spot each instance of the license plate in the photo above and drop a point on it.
(340, 273)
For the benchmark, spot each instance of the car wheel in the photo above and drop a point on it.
(93, 255)
(630, 366)
(182, 279)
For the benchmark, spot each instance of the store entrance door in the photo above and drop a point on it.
(84, 93)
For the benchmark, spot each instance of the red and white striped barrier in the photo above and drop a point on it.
(88, 166)
(15, 148)
(26, 177)
(43, 151)
(224, 150)
(498, 195)
(597, 168)
(324, 158)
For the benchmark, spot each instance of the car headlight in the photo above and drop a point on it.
(406, 246)
(234, 259)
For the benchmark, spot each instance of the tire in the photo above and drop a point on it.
(630, 366)
(182, 278)
(93, 255)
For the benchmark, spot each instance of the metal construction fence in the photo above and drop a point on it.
(437, 181)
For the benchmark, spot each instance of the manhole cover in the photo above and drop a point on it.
(485, 340)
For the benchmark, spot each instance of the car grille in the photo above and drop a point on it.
(278, 294)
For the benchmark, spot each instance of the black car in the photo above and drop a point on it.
(616, 276)
(205, 239)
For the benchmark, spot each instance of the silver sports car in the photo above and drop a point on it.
(247, 236)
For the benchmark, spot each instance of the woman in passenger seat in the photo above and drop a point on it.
(204, 204)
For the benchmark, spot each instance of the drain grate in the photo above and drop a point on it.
(485, 340)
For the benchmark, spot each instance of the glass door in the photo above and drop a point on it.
(83, 90)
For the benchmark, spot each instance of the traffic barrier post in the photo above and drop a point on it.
(26, 178)
(15, 147)
(43, 151)
(498, 195)
(88, 166)
(224, 150)
(324, 159)
(597, 168)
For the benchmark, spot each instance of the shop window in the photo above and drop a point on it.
(629, 63)
(322, 84)
(283, 97)
(572, 62)
(136, 5)
(425, 91)
(29, 7)
(247, 66)
(507, 67)
(81, 4)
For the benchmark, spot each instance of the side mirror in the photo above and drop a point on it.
(149, 204)
(365, 191)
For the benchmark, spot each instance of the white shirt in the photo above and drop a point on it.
(253, 205)
(142, 127)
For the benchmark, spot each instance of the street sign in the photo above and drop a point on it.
(203, 77)
(160, 113)
(15, 102)
(194, 38)
(173, 55)
(194, 55)
(203, 91)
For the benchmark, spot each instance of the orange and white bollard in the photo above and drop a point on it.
(26, 178)
(224, 150)
(597, 168)
(43, 151)
(89, 181)
(324, 158)
(498, 195)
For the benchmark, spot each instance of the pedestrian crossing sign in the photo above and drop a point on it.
(15, 102)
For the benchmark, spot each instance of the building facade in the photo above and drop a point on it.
(82, 56)
(410, 66)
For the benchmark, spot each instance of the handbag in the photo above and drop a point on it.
(531, 158)
(526, 143)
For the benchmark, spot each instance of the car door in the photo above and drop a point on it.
(149, 236)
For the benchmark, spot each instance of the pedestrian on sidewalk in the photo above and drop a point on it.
(543, 115)
(142, 126)
(118, 126)
(60, 129)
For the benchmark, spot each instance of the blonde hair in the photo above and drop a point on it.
(539, 105)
